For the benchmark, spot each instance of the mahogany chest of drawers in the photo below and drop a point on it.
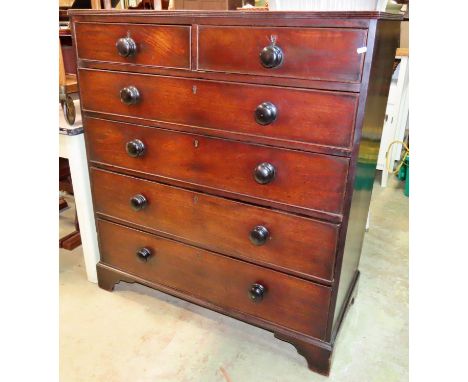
(232, 157)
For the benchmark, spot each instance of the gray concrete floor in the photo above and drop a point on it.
(137, 334)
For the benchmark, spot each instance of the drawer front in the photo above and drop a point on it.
(307, 53)
(304, 180)
(287, 301)
(301, 246)
(325, 118)
(166, 46)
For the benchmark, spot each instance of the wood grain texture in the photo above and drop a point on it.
(219, 76)
(61, 67)
(304, 180)
(289, 301)
(276, 17)
(157, 45)
(305, 116)
(317, 353)
(202, 145)
(310, 53)
(296, 245)
(383, 41)
(341, 20)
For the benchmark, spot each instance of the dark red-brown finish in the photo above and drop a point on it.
(196, 142)
(277, 18)
(371, 113)
(303, 180)
(161, 45)
(310, 53)
(289, 301)
(307, 116)
(341, 20)
(296, 245)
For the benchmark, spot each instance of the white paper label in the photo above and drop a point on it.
(361, 50)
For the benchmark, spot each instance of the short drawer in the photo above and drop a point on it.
(245, 171)
(224, 282)
(282, 116)
(286, 242)
(306, 53)
(151, 45)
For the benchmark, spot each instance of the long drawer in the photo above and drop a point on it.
(309, 53)
(289, 243)
(269, 176)
(286, 300)
(282, 116)
(153, 45)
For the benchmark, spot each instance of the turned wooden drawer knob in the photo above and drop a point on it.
(135, 148)
(143, 254)
(126, 47)
(129, 95)
(264, 173)
(266, 113)
(259, 235)
(256, 292)
(271, 56)
(138, 202)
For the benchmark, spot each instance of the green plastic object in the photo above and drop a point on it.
(406, 192)
(402, 172)
(403, 175)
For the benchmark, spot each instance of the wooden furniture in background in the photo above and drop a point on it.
(207, 4)
(73, 239)
(68, 85)
(65, 182)
(248, 192)
(73, 166)
(103, 4)
(62, 204)
(87, 4)
(151, 4)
